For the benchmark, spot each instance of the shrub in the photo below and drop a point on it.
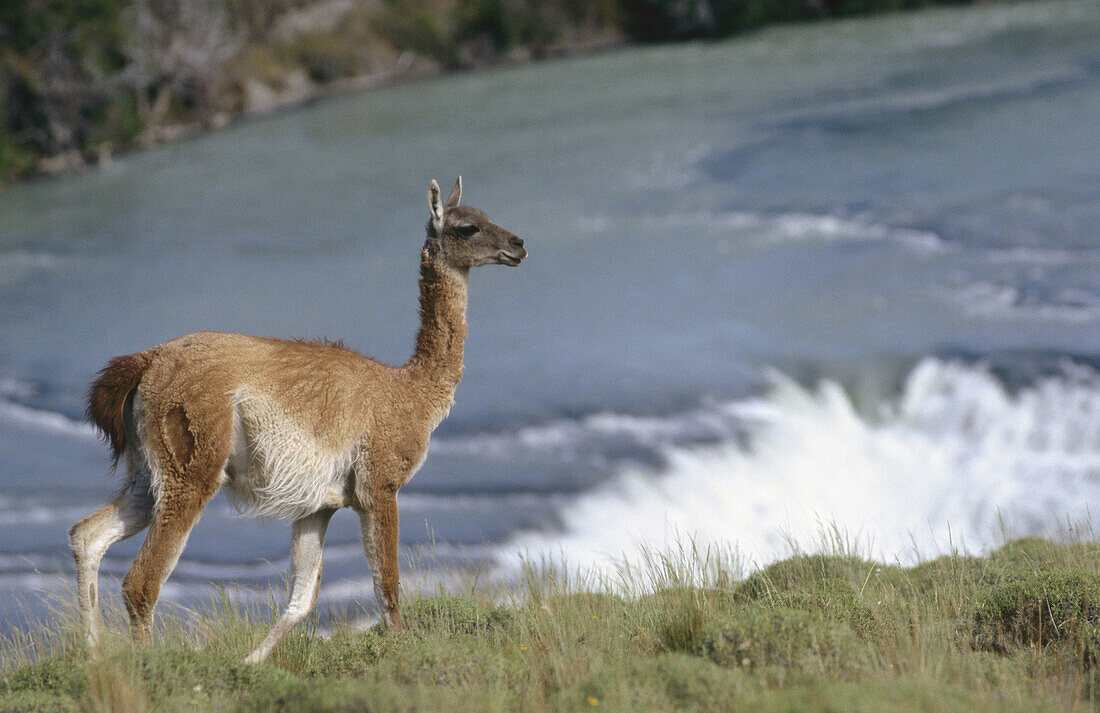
(890, 696)
(173, 672)
(419, 27)
(779, 636)
(59, 675)
(351, 652)
(93, 29)
(697, 682)
(38, 702)
(1034, 554)
(797, 572)
(663, 20)
(1059, 608)
(835, 600)
(956, 570)
(446, 661)
(326, 57)
(15, 158)
(111, 118)
(455, 615)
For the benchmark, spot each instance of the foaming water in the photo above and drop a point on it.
(13, 392)
(948, 464)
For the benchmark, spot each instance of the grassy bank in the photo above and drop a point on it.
(80, 81)
(1018, 630)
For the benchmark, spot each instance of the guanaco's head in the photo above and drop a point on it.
(464, 237)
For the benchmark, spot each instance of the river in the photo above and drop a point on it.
(834, 277)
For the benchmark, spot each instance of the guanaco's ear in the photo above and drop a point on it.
(435, 205)
(456, 194)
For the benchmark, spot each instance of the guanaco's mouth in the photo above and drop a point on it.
(510, 259)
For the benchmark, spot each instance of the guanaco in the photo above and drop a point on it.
(292, 429)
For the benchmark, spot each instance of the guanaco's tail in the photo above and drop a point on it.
(109, 393)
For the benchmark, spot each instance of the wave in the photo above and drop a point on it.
(946, 28)
(567, 437)
(884, 110)
(995, 300)
(1042, 256)
(27, 260)
(947, 464)
(25, 511)
(12, 392)
(46, 420)
(764, 229)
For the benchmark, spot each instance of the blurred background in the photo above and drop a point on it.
(836, 276)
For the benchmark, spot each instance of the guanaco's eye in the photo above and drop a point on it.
(466, 231)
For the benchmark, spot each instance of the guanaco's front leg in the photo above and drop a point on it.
(379, 522)
(306, 545)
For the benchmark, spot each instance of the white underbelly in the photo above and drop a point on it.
(276, 468)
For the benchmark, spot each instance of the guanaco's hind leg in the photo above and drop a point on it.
(90, 538)
(306, 544)
(189, 447)
(173, 517)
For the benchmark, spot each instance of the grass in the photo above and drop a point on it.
(1016, 630)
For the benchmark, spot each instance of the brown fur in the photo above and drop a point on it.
(322, 342)
(301, 406)
(108, 395)
(178, 439)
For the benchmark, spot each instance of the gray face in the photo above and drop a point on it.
(464, 237)
(471, 239)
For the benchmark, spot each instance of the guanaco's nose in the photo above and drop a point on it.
(516, 242)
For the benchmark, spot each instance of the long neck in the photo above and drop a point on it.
(437, 360)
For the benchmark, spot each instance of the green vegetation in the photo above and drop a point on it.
(82, 79)
(1013, 631)
(663, 20)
